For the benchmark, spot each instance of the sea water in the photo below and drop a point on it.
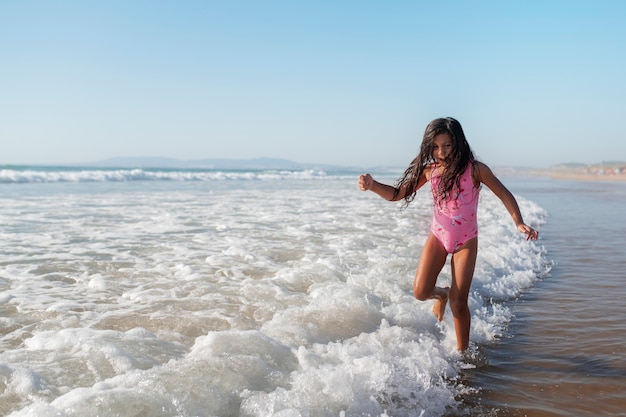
(258, 293)
(563, 353)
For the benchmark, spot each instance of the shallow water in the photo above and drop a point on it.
(563, 354)
(128, 293)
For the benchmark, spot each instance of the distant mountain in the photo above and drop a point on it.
(216, 163)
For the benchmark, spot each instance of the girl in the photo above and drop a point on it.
(446, 160)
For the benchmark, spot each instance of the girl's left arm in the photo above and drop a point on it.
(488, 178)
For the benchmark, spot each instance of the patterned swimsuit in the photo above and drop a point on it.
(454, 220)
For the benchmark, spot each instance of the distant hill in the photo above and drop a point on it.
(215, 163)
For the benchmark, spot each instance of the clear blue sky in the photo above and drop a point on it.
(534, 83)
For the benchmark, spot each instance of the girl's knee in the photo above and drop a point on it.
(421, 294)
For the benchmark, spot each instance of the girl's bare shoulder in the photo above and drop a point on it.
(481, 173)
(480, 165)
(487, 177)
(482, 170)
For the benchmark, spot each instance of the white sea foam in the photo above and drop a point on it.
(289, 299)
(52, 175)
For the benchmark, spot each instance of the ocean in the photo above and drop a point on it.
(563, 354)
(289, 293)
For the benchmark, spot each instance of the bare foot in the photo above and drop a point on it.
(440, 305)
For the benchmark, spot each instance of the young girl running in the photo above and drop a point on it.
(446, 160)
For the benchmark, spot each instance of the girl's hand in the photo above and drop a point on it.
(365, 182)
(531, 234)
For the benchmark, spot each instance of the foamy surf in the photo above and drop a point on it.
(54, 175)
(291, 299)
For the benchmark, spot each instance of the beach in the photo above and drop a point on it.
(249, 293)
(598, 172)
(572, 176)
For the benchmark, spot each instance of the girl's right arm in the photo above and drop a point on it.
(366, 182)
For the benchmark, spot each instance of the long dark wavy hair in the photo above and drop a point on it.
(457, 162)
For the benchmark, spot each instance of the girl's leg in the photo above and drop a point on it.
(463, 263)
(430, 264)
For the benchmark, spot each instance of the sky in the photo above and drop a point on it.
(351, 83)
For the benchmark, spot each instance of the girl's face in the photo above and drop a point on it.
(442, 148)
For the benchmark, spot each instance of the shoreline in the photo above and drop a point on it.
(565, 175)
(587, 177)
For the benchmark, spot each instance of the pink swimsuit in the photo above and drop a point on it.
(454, 220)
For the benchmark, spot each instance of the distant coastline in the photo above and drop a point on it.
(209, 163)
(606, 171)
(588, 176)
